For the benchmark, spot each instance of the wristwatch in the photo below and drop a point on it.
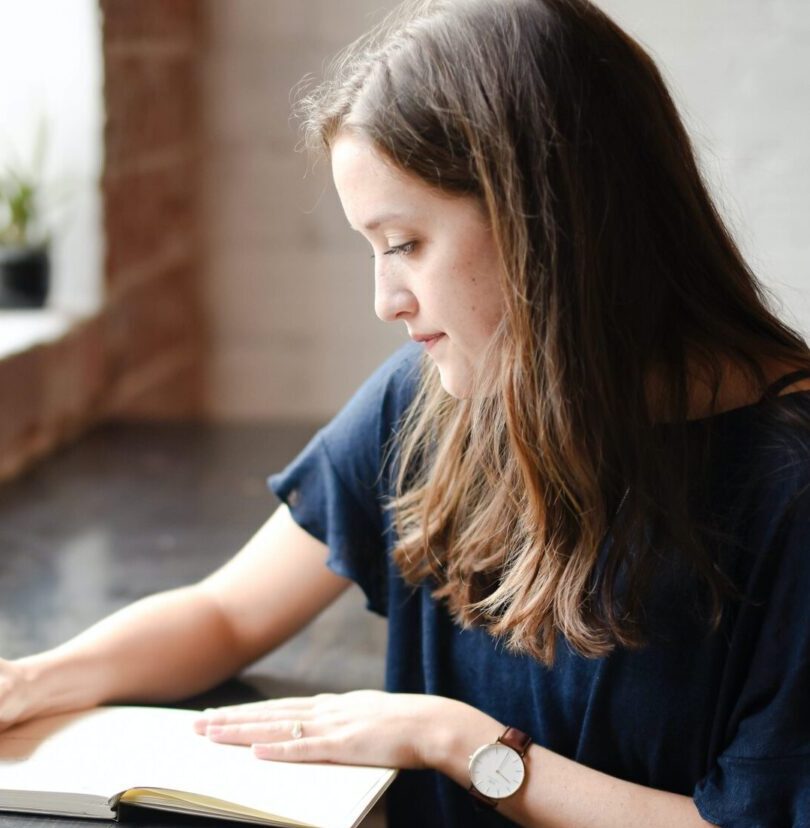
(497, 770)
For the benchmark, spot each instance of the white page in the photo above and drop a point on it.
(126, 747)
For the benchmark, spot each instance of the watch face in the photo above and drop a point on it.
(496, 770)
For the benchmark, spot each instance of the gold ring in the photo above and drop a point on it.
(297, 729)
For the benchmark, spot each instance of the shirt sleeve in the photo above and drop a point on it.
(336, 488)
(762, 776)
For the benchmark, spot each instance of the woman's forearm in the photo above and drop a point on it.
(162, 648)
(558, 792)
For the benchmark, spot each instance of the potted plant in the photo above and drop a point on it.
(24, 254)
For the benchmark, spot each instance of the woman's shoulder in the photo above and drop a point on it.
(766, 425)
(374, 411)
(760, 465)
(400, 371)
(390, 389)
(778, 432)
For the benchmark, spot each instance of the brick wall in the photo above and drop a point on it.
(142, 355)
(153, 323)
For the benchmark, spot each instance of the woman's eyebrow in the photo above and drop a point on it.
(378, 220)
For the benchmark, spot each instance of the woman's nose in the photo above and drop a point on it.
(392, 299)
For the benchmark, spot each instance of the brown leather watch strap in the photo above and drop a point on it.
(483, 801)
(516, 739)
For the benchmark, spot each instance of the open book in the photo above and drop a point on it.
(84, 764)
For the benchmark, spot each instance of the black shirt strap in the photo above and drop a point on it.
(775, 388)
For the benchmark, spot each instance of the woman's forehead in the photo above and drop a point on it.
(372, 188)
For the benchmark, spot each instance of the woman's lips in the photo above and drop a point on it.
(430, 341)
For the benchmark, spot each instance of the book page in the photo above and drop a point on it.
(108, 750)
(72, 754)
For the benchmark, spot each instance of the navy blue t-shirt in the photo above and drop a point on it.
(723, 716)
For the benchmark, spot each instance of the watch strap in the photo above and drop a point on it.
(483, 801)
(516, 739)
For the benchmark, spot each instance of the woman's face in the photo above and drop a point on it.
(435, 261)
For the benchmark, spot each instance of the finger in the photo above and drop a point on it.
(296, 707)
(288, 701)
(211, 714)
(310, 749)
(202, 724)
(265, 732)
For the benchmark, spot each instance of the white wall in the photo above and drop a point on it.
(289, 287)
(50, 66)
(740, 72)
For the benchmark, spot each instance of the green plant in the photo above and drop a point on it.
(21, 198)
(18, 197)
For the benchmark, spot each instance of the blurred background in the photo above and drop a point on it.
(205, 306)
(200, 266)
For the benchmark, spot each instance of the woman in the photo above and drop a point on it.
(584, 509)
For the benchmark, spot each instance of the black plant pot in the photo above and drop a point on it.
(24, 276)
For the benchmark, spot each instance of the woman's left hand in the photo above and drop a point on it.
(363, 727)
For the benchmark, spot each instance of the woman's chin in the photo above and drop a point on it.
(456, 383)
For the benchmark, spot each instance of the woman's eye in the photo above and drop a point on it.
(400, 249)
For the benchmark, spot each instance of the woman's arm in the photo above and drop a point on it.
(180, 642)
(557, 792)
(401, 730)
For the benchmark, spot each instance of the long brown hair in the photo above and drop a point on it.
(616, 269)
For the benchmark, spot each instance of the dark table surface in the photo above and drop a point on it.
(134, 509)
